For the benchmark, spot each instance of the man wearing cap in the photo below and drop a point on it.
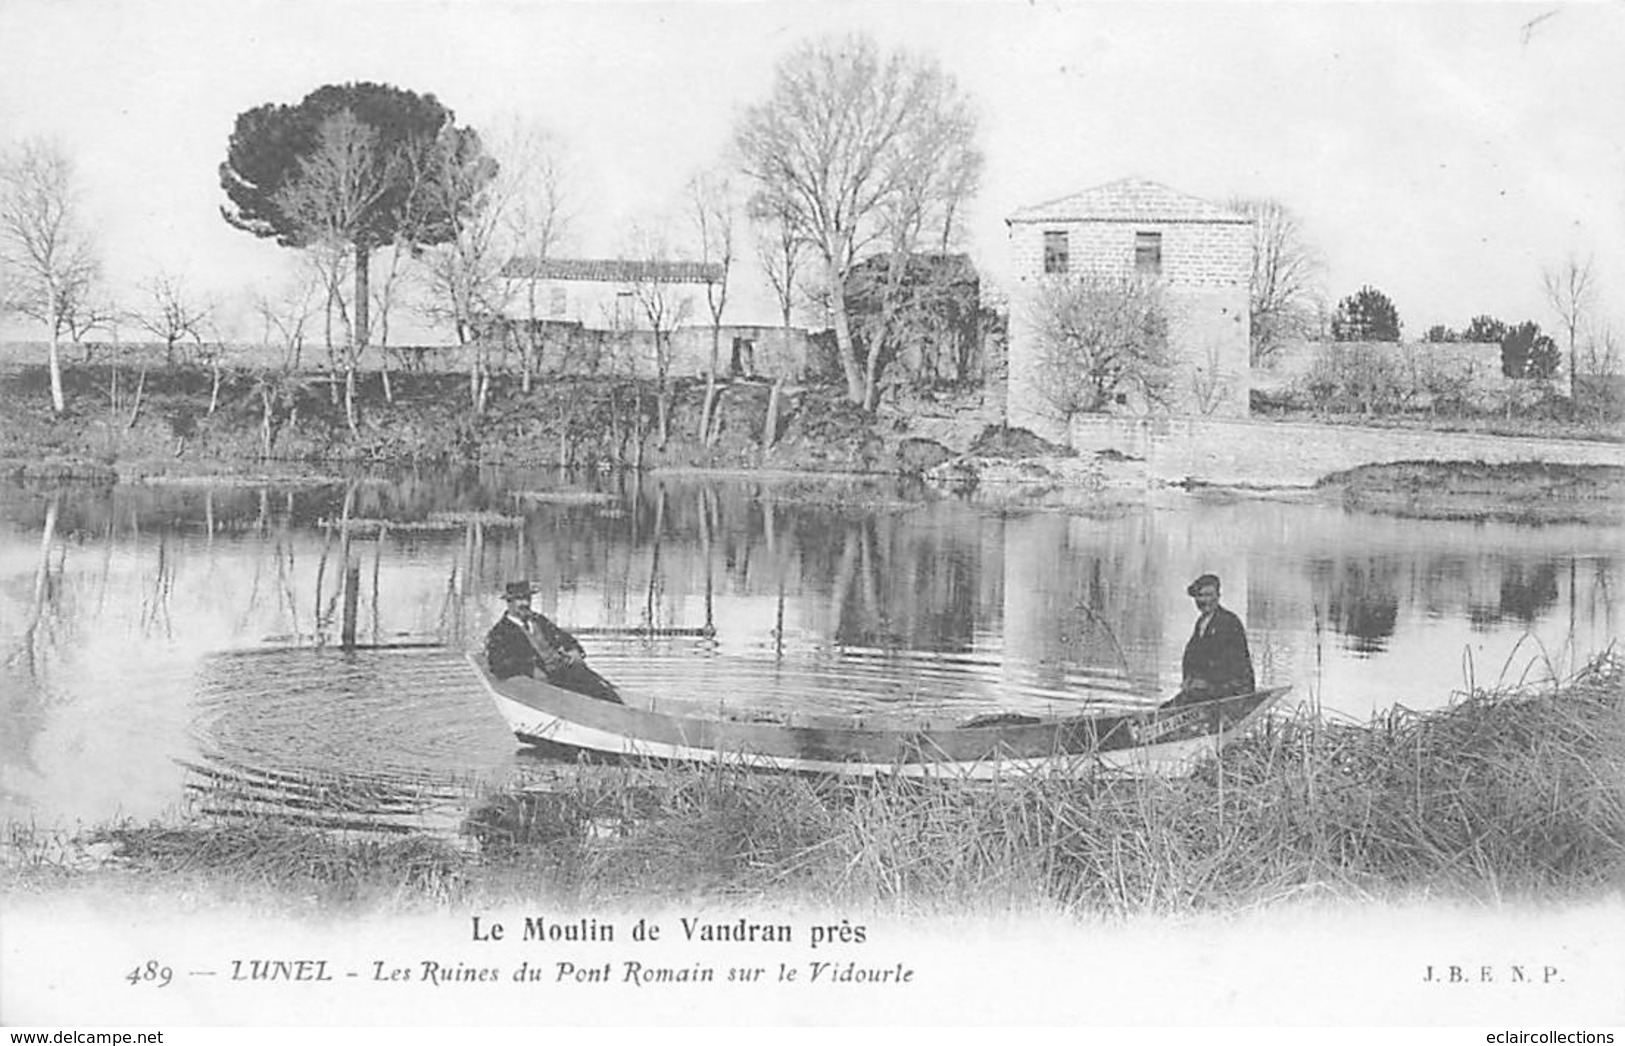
(523, 641)
(1216, 662)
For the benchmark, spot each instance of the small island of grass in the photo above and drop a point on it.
(1518, 492)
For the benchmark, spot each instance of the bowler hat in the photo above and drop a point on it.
(1205, 579)
(518, 590)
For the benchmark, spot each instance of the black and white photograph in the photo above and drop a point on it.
(811, 514)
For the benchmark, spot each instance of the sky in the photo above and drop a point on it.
(1443, 153)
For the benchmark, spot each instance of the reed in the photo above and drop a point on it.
(1503, 794)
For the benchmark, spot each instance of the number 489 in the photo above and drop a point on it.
(153, 972)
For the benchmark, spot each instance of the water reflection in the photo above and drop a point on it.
(1526, 592)
(165, 637)
(42, 617)
(1361, 598)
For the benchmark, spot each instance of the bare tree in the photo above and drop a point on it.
(333, 201)
(927, 203)
(1099, 338)
(711, 209)
(329, 268)
(387, 289)
(1282, 285)
(780, 251)
(46, 250)
(1601, 365)
(463, 275)
(285, 317)
(87, 309)
(920, 311)
(1603, 345)
(1210, 389)
(1570, 288)
(665, 306)
(534, 220)
(856, 150)
(172, 313)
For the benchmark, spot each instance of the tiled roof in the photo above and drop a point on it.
(1128, 199)
(613, 270)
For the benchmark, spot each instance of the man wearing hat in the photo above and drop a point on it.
(1216, 662)
(523, 641)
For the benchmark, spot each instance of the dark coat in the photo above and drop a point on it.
(509, 651)
(1219, 657)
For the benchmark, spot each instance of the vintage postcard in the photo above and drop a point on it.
(534, 513)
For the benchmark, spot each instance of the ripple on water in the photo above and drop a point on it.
(377, 739)
(397, 739)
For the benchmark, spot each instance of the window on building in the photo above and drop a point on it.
(1055, 252)
(555, 301)
(1148, 253)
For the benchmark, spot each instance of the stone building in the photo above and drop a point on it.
(1199, 255)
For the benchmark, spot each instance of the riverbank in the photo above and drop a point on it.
(1500, 796)
(181, 424)
(178, 422)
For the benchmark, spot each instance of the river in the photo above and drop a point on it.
(178, 644)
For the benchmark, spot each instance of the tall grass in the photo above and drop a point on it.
(1518, 793)
(1502, 795)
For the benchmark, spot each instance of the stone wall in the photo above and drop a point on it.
(767, 352)
(1208, 328)
(1467, 372)
(764, 351)
(1238, 452)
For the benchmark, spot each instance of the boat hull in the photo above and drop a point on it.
(1163, 741)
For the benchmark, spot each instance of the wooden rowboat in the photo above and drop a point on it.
(1167, 741)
